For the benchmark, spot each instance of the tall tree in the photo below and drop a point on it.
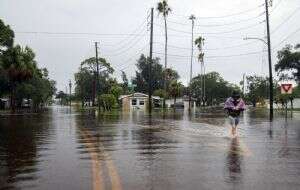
(104, 70)
(171, 75)
(83, 85)
(199, 42)
(19, 66)
(289, 60)
(6, 36)
(217, 89)
(175, 90)
(142, 74)
(125, 82)
(39, 89)
(164, 9)
(257, 89)
(6, 42)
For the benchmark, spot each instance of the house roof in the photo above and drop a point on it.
(138, 95)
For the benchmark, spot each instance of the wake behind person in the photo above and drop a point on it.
(234, 105)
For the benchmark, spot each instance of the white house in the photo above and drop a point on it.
(137, 101)
(181, 102)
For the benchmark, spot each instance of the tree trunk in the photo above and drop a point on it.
(12, 99)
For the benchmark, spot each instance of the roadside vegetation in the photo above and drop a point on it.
(20, 77)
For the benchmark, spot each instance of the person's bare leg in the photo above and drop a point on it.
(233, 130)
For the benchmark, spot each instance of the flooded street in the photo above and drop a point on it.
(68, 149)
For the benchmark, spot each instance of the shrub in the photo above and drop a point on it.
(106, 101)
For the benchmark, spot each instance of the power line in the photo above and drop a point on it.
(128, 48)
(214, 57)
(132, 57)
(286, 38)
(276, 6)
(137, 31)
(76, 33)
(208, 33)
(225, 16)
(287, 19)
(218, 25)
(120, 35)
(211, 49)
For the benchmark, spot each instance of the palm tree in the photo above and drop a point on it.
(19, 65)
(175, 90)
(199, 42)
(164, 9)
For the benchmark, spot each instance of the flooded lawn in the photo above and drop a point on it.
(68, 149)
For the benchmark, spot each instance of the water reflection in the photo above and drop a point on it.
(22, 142)
(234, 161)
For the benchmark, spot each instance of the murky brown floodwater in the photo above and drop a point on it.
(67, 149)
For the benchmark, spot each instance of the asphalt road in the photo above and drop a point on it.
(66, 149)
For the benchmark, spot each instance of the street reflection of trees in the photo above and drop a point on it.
(234, 161)
(21, 139)
(152, 148)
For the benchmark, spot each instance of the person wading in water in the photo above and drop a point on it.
(234, 105)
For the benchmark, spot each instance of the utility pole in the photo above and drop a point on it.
(244, 76)
(150, 65)
(192, 18)
(204, 92)
(70, 91)
(270, 60)
(96, 75)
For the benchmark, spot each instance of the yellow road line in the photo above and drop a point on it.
(98, 183)
(97, 175)
(112, 171)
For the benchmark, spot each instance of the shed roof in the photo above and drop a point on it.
(138, 95)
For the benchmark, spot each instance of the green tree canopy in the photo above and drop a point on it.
(175, 89)
(157, 75)
(258, 89)
(91, 65)
(142, 74)
(216, 88)
(6, 36)
(289, 60)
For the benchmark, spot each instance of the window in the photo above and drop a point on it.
(133, 102)
(142, 102)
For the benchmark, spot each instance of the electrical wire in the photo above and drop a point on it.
(76, 33)
(210, 49)
(218, 25)
(132, 57)
(225, 16)
(276, 6)
(286, 38)
(128, 48)
(208, 33)
(285, 20)
(214, 57)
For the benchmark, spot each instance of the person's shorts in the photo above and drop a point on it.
(234, 120)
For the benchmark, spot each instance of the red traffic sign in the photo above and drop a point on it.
(286, 88)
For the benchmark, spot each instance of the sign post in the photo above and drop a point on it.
(286, 89)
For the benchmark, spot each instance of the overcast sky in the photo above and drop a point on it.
(223, 24)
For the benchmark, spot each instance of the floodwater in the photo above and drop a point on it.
(68, 149)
